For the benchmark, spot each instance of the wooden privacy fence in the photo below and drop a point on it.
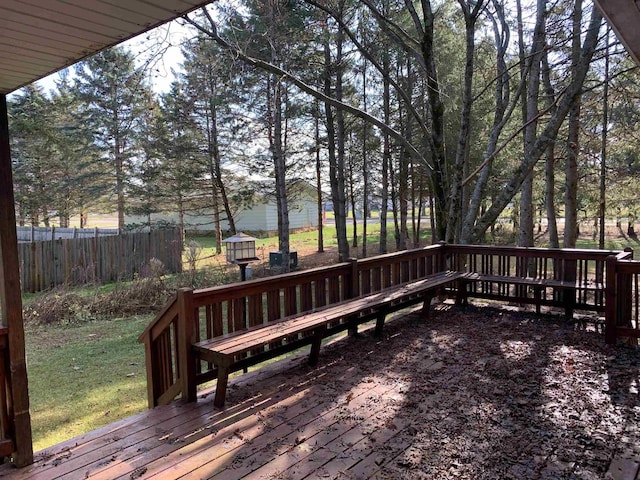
(35, 234)
(76, 261)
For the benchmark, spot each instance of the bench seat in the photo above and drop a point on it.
(537, 284)
(239, 349)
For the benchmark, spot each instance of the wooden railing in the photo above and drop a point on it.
(377, 273)
(571, 279)
(582, 271)
(207, 313)
(623, 298)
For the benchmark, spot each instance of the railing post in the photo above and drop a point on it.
(355, 279)
(624, 285)
(354, 290)
(15, 373)
(152, 398)
(569, 294)
(442, 264)
(186, 337)
(611, 310)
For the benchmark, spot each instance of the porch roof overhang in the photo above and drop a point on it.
(37, 38)
(40, 37)
(624, 17)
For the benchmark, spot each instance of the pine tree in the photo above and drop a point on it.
(115, 94)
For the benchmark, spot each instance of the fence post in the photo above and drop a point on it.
(611, 310)
(186, 337)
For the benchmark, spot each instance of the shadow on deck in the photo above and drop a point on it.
(480, 394)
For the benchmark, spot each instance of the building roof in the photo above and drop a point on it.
(624, 17)
(40, 37)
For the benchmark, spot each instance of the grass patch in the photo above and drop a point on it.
(82, 377)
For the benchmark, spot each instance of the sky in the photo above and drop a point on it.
(160, 47)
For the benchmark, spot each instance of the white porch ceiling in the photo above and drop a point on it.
(624, 17)
(40, 37)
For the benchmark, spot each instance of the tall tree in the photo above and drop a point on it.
(32, 131)
(182, 170)
(530, 73)
(573, 137)
(603, 152)
(115, 93)
(208, 75)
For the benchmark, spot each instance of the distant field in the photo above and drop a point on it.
(100, 220)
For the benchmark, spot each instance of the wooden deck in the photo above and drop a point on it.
(431, 400)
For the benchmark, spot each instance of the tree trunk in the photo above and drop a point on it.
(548, 134)
(119, 163)
(404, 159)
(439, 177)
(335, 142)
(386, 155)
(550, 161)
(603, 150)
(500, 117)
(365, 165)
(319, 180)
(279, 163)
(214, 159)
(530, 115)
(573, 141)
(352, 198)
(462, 148)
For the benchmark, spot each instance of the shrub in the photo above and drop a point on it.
(58, 306)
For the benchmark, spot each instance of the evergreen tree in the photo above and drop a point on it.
(115, 94)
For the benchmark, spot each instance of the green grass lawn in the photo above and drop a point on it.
(84, 376)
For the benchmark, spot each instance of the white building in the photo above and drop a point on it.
(261, 216)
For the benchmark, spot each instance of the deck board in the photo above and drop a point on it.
(371, 409)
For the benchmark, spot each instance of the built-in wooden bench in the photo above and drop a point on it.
(536, 284)
(205, 334)
(240, 349)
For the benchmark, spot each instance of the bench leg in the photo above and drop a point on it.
(380, 323)
(315, 349)
(537, 295)
(426, 305)
(221, 387)
(461, 294)
(569, 300)
(353, 330)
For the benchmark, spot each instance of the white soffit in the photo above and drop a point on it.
(40, 37)
(624, 17)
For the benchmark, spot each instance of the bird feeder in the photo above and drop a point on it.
(241, 250)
